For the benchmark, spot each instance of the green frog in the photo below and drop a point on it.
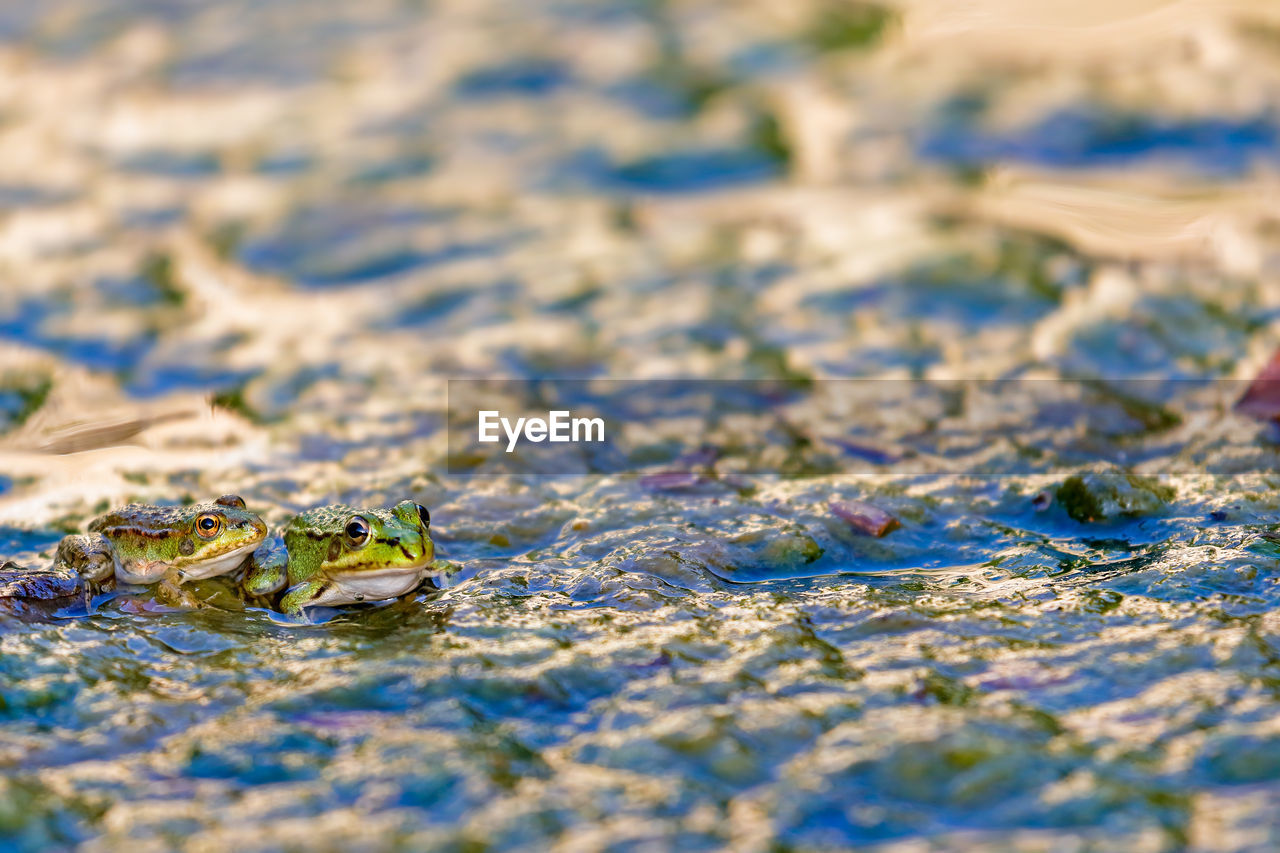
(164, 545)
(335, 555)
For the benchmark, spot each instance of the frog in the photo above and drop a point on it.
(337, 554)
(164, 545)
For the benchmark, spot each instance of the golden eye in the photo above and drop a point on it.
(357, 531)
(208, 525)
(424, 516)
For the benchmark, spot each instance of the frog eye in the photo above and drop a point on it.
(234, 501)
(208, 525)
(357, 531)
(424, 516)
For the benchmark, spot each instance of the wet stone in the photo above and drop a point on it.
(1106, 493)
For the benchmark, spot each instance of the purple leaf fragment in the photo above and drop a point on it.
(864, 518)
(1261, 399)
(670, 480)
(704, 455)
(866, 452)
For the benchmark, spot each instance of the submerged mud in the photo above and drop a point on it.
(246, 244)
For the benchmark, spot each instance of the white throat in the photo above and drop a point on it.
(220, 565)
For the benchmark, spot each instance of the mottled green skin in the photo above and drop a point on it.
(268, 570)
(144, 544)
(319, 564)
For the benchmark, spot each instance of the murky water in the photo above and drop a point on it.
(245, 244)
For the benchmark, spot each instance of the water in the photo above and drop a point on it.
(246, 244)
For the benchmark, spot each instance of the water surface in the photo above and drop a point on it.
(246, 244)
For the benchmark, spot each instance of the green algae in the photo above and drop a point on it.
(1107, 493)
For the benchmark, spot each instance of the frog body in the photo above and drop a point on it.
(334, 555)
(145, 544)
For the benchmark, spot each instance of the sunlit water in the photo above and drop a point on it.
(315, 213)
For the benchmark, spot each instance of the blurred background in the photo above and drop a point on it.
(243, 245)
(314, 213)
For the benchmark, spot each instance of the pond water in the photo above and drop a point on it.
(246, 244)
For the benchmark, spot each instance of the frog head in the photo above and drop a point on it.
(342, 555)
(196, 541)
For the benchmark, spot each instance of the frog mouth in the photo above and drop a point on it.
(218, 565)
(148, 572)
(374, 584)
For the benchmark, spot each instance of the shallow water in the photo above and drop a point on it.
(246, 245)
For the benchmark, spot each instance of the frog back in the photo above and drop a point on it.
(139, 531)
(314, 537)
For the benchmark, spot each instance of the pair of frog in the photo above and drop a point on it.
(326, 556)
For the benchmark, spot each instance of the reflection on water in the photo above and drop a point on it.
(1092, 138)
(245, 244)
